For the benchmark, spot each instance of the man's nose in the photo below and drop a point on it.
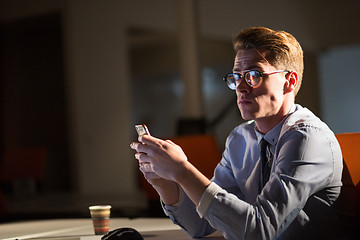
(243, 86)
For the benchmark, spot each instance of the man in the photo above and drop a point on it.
(280, 172)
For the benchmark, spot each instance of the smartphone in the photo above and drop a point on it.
(142, 129)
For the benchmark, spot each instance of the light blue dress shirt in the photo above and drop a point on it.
(295, 203)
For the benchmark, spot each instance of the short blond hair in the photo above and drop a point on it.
(281, 49)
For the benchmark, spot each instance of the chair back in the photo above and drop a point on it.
(21, 169)
(348, 203)
(202, 151)
(350, 147)
(23, 163)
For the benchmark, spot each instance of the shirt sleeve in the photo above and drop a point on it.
(184, 214)
(207, 198)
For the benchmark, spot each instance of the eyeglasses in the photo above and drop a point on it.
(252, 77)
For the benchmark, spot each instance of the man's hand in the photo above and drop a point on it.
(166, 167)
(164, 158)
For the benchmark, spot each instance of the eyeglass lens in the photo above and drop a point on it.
(252, 78)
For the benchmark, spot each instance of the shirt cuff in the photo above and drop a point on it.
(177, 204)
(180, 199)
(207, 198)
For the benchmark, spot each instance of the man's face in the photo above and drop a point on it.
(266, 101)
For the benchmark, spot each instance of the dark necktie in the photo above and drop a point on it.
(266, 163)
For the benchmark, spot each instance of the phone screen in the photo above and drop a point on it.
(141, 129)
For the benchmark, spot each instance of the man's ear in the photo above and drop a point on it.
(292, 81)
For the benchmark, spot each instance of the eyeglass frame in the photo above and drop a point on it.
(245, 73)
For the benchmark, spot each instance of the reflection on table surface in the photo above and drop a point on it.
(76, 229)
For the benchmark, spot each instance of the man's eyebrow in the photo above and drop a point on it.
(252, 67)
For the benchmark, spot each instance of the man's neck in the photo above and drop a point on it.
(264, 125)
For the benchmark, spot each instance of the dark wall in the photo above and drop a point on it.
(33, 107)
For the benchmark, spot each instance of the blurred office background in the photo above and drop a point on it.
(76, 75)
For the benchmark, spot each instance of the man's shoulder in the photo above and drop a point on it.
(303, 118)
(245, 127)
(243, 131)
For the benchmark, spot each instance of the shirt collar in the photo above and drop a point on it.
(273, 135)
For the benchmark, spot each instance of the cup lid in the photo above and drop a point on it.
(100, 207)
